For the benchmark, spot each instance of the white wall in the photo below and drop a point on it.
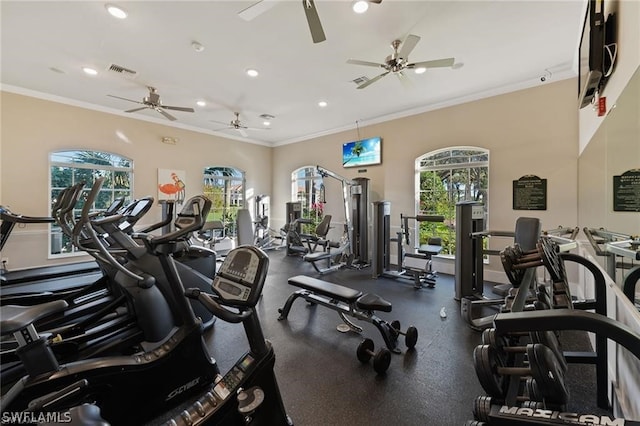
(628, 59)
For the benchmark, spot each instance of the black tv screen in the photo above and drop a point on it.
(591, 53)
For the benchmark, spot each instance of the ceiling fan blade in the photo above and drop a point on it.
(137, 109)
(222, 128)
(166, 114)
(437, 63)
(176, 108)
(256, 9)
(317, 33)
(258, 128)
(365, 63)
(408, 45)
(375, 1)
(125, 99)
(242, 132)
(373, 80)
(404, 80)
(221, 122)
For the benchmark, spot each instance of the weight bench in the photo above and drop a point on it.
(349, 302)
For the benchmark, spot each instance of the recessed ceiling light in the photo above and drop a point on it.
(252, 73)
(201, 103)
(116, 11)
(198, 47)
(322, 104)
(360, 6)
(420, 70)
(266, 123)
(89, 71)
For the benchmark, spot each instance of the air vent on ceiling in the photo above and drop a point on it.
(125, 72)
(361, 80)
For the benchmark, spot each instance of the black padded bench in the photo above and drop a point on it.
(346, 301)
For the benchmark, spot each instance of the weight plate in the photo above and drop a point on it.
(411, 337)
(549, 339)
(382, 360)
(364, 351)
(546, 370)
(531, 387)
(486, 361)
(482, 408)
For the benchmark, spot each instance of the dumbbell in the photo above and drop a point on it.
(410, 336)
(546, 338)
(381, 359)
(544, 367)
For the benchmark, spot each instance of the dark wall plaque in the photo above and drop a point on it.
(626, 192)
(530, 193)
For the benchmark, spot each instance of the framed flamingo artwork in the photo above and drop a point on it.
(171, 184)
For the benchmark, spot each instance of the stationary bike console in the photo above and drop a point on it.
(240, 279)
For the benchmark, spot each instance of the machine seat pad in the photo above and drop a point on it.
(317, 255)
(373, 302)
(16, 317)
(429, 249)
(324, 288)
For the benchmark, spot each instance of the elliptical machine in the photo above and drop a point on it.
(169, 366)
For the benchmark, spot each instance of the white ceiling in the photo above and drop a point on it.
(501, 45)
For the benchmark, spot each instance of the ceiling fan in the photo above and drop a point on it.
(236, 124)
(398, 61)
(309, 6)
(152, 101)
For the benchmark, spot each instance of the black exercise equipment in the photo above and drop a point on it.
(169, 366)
(501, 412)
(249, 392)
(543, 366)
(7, 277)
(355, 197)
(349, 302)
(414, 266)
(381, 359)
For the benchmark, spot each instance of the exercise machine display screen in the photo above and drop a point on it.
(241, 276)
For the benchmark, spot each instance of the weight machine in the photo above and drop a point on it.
(415, 266)
(353, 248)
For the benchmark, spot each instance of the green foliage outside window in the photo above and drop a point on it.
(445, 178)
(308, 189)
(224, 186)
(75, 166)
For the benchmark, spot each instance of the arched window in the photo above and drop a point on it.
(75, 166)
(225, 186)
(445, 177)
(308, 189)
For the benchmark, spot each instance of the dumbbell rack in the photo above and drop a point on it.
(496, 412)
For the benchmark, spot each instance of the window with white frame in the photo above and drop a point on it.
(75, 166)
(444, 178)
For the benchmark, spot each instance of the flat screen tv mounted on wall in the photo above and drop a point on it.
(590, 69)
(365, 152)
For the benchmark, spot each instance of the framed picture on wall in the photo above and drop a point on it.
(171, 185)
